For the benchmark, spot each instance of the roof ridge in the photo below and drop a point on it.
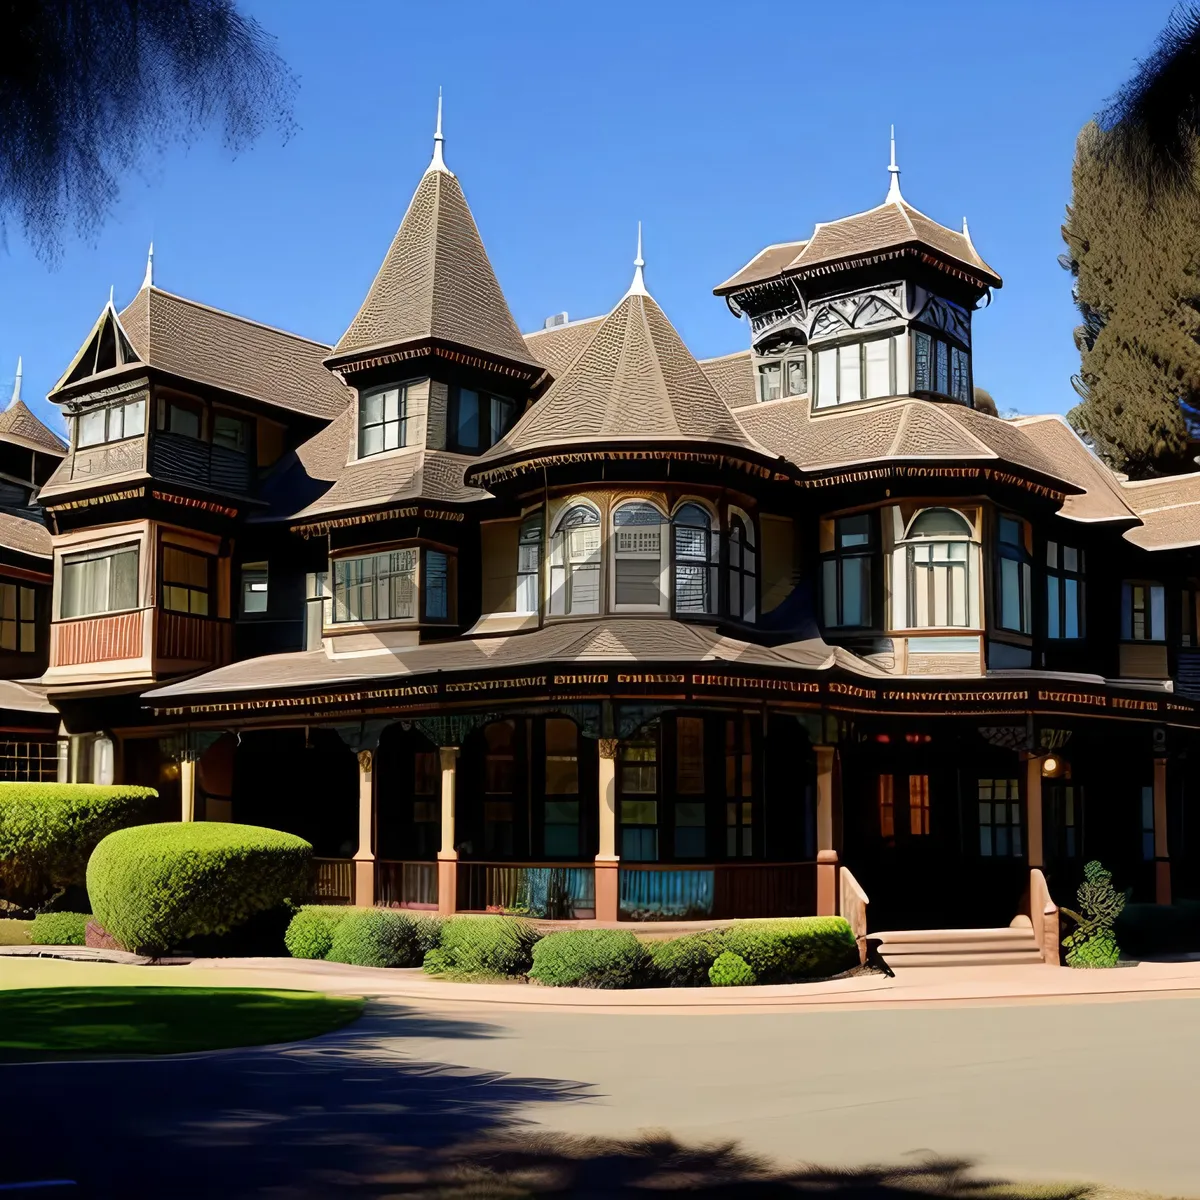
(722, 357)
(958, 426)
(565, 325)
(901, 429)
(222, 312)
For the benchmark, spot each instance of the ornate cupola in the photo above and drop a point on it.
(873, 305)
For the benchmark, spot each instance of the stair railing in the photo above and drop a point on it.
(852, 904)
(1043, 915)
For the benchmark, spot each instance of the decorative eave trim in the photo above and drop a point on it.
(355, 362)
(318, 528)
(100, 498)
(923, 471)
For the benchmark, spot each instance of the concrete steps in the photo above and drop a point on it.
(905, 948)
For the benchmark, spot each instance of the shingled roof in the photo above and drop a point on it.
(436, 282)
(558, 347)
(634, 383)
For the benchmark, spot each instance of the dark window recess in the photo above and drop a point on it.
(1013, 576)
(18, 624)
(847, 573)
(1064, 592)
(436, 586)
(940, 367)
(254, 588)
(478, 420)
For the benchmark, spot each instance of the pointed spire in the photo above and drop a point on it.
(149, 280)
(16, 392)
(967, 234)
(438, 163)
(638, 286)
(111, 292)
(893, 194)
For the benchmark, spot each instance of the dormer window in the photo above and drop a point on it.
(941, 367)
(382, 421)
(856, 371)
(478, 420)
(111, 424)
(783, 377)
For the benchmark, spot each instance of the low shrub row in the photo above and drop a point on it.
(466, 947)
(59, 929)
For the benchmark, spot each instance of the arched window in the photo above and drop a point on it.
(529, 564)
(639, 568)
(743, 575)
(941, 570)
(695, 561)
(575, 562)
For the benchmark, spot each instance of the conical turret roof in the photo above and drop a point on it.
(436, 282)
(19, 426)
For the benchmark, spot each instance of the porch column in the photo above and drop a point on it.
(1162, 860)
(1033, 811)
(608, 865)
(827, 859)
(187, 789)
(364, 860)
(448, 855)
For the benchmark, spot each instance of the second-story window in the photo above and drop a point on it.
(1143, 612)
(695, 561)
(940, 366)
(1064, 591)
(18, 622)
(783, 377)
(111, 424)
(856, 371)
(380, 587)
(382, 421)
(575, 562)
(1013, 576)
(186, 581)
(254, 588)
(529, 564)
(940, 569)
(478, 420)
(743, 568)
(99, 581)
(847, 572)
(639, 570)
(184, 419)
(230, 432)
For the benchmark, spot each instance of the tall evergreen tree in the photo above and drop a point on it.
(1133, 234)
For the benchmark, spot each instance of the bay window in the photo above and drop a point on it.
(575, 562)
(111, 424)
(407, 584)
(639, 567)
(1064, 591)
(382, 421)
(1013, 576)
(847, 572)
(742, 574)
(529, 564)
(1143, 612)
(941, 367)
(863, 370)
(695, 561)
(99, 581)
(186, 581)
(940, 570)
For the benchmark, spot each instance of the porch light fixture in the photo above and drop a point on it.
(1050, 766)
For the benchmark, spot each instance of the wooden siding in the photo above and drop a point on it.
(1143, 660)
(191, 639)
(96, 639)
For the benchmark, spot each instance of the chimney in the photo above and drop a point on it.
(555, 321)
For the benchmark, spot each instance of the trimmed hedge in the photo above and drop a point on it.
(154, 887)
(48, 831)
(731, 970)
(60, 929)
(310, 931)
(596, 958)
(685, 961)
(376, 937)
(483, 946)
(791, 948)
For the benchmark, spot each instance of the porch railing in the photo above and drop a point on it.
(654, 892)
(406, 884)
(331, 881)
(556, 891)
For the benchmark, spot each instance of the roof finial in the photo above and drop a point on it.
(638, 286)
(893, 194)
(149, 280)
(438, 163)
(16, 395)
(966, 231)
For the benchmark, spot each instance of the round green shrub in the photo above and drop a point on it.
(731, 970)
(597, 958)
(483, 946)
(376, 937)
(48, 830)
(685, 961)
(59, 929)
(154, 887)
(791, 948)
(310, 931)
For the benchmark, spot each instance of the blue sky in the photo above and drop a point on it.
(721, 126)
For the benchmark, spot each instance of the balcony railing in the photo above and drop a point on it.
(97, 639)
(183, 637)
(331, 881)
(656, 892)
(556, 891)
(406, 884)
(188, 460)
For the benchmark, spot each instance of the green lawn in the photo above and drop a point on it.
(14, 933)
(161, 1020)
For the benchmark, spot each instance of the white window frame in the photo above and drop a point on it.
(712, 565)
(565, 563)
(71, 557)
(529, 581)
(401, 420)
(111, 416)
(377, 583)
(894, 340)
(632, 554)
(907, 567)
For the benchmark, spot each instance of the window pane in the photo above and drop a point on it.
(856, 590)
(769, 377)
(854, 531)
(830, 591)
(91, 427)
(1010, 594)
(849, 386)
(124, 588)
(1158, 623)
(1074, 623)
(372, 440)
(254, 587)
(503, 412)
(229, 432)
(27, 603)
(690, 841)
(689, 758)
(1052, 554)
(827, 377)
(467, 433)
(1071, 558)
(561, 840)
(135, 419)
(878, 354)
(922, 372)
(943, 368)
(437, 593)
(371, 412)
(639, 812)
(639, 845)
(1053, 623)
(797, 376)
(185, 421)
(638, 582)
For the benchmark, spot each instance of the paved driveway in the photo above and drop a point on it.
(1100, 1091)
